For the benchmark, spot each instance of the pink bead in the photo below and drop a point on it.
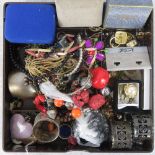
(97, 101)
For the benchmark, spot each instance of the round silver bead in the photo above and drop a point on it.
(52, 113)
(105, 91)
(86, 82)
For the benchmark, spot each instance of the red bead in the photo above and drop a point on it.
(41, 98)
(85, 96)
(97, 101)
(91, 52)
(81, 98)
(78, 97)
(72, 140)
(38, 101)
(100, 77)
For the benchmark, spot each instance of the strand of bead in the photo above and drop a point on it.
(16, 65)
(80, 59)
(88, 78)
(78, 64)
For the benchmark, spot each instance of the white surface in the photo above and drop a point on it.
(147, 84)
(1, 86)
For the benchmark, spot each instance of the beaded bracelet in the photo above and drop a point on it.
(80, 58)
(77, 66)
(16, 65)
(88, 78)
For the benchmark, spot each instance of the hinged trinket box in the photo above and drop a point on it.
(131, 14)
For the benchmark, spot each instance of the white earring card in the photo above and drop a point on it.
(79, 13)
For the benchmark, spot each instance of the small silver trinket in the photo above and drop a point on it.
(106, 91)
(142, 127)
(52, 113)
(121, 135)
(86, 82)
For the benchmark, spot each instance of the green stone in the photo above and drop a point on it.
(106, 50)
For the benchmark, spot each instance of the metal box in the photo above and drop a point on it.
(131, 14)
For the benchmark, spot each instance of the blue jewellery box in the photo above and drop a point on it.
(129, 14)
(30, 23)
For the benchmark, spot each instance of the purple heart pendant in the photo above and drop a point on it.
(19, 128)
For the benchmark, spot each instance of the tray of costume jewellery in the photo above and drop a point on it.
(83, 82)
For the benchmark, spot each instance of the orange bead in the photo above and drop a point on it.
(58, 103)
(76, 113)
(50, 127)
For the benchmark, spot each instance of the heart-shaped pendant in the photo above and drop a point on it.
(20, 129)
(100, 77)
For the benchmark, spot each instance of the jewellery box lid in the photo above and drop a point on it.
(30, 23)
(131, 3)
